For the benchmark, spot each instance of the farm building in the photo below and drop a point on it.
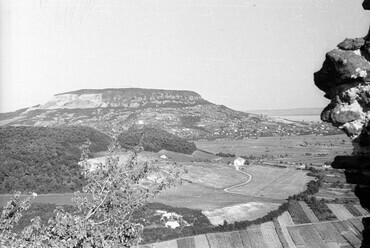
(163, 156)
(239, 161)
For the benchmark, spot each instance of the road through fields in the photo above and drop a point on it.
(227, 190)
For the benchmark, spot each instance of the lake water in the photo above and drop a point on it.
(306, 118)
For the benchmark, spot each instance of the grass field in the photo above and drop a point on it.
(253, 200)
(270, 235)
(340, 211)
(311, 237)
(285, 219)
(202, 197)
(329, 233)
(212, 174)
(273, 182)
(299, 149)
(333, 193)
(246, 211)
(283, 233)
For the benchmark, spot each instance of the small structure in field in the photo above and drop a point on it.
(92, 165)
(163, 156)
(239, 161)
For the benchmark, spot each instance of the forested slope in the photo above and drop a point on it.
(155, 139)
(44, 159)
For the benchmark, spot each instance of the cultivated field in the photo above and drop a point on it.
(333, 193)
(337, 234)
(340, 211)
(206, 182)
(273, 182)
(307, 210)
(361, 210)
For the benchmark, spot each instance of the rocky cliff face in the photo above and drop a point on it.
(122, 98)
(345, 79)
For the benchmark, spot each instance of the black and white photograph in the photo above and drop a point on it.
(185, 123)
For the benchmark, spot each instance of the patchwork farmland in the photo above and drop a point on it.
(283, 233)
(268, 186)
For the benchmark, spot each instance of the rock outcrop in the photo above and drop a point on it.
(345, 79)
(122, 98)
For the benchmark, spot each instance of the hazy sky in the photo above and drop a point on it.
(250, 54)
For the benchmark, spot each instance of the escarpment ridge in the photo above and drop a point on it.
(122, 98)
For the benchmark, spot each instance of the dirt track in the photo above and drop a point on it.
(239, 184)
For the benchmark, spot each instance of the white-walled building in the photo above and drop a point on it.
(239, 161)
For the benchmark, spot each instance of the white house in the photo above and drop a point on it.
(239, 161)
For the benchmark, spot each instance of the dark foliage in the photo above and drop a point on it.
(297, 213)
(44, 210)
(320, 209)
(155, 231)
(225, 155)
(44, 159)
(155, 139)
(190, 120)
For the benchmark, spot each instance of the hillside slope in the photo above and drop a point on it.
(154, 139)
(43, 159)
(183, 113)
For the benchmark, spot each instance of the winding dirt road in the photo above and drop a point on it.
(227, 190)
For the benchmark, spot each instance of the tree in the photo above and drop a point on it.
(104, 218)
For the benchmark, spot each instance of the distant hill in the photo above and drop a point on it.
(44, 159)
(183, 113)
(154, 139)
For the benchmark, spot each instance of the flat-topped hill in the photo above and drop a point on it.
(179, 112)
(122, 98)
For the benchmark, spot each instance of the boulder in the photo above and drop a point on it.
(351, 44)
(341, 67)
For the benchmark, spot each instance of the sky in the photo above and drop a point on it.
(245, 54)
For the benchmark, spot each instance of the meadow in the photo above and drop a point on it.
(273, 182)
(306, 149)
